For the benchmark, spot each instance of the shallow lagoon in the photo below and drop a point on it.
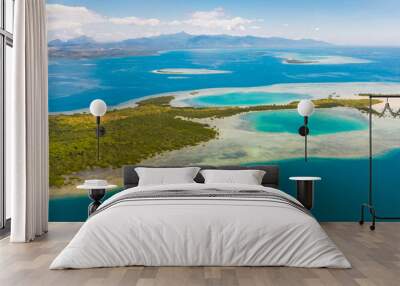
(244, 99)
(320, 123)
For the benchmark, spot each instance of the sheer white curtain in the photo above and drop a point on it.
(27, 122)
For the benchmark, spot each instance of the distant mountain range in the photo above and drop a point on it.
(87, 47)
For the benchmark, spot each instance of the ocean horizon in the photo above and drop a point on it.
(74, 83)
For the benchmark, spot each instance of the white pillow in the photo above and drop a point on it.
(166, 176)
(247, 177)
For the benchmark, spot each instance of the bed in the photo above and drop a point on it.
(198, 224)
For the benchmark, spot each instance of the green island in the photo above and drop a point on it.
(136, 133)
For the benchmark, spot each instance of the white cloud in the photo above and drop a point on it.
(135, 21)
(217, 20)
(66, 22)
(174, 23)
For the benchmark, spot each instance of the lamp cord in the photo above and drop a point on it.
(305, 137)
(98, 136)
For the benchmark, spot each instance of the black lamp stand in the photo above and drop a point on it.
(304, 131)
(100, 131)
(370, 205)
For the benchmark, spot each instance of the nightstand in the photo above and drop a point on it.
(305, 190)
(96, 191)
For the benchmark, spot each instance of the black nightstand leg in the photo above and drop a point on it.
(95, 195)
(93, 207)
(305, 193)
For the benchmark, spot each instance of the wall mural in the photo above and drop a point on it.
(203, 83)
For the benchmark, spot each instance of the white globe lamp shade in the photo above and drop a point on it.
(305, 107)
(98, 107)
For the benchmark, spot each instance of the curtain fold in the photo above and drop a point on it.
(28, 124)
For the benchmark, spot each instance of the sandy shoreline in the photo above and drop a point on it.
(348, 90)
(113, 176)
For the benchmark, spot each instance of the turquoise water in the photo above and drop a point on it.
(344, 187)
(74, 83)
(245, 99)
(73, 208)
(320, 123)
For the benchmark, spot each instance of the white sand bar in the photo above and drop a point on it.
(301, 59)
(348, 90)
(178, 71)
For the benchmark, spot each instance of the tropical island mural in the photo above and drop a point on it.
(215, 84)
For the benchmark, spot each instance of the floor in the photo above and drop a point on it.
(375, 257)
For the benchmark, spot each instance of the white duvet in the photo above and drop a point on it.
(200, 231)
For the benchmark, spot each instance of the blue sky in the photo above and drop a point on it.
(351, 22)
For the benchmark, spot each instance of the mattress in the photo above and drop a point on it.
(201, 225)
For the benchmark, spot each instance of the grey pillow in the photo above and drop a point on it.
(245, 177)
(166, 176)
